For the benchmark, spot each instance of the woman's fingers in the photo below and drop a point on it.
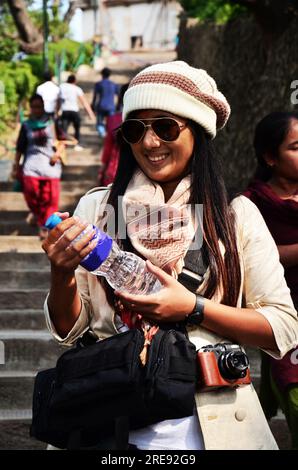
(87, 249)
(64, 227)
(172, 303)
(138, 303)
(130, 298)
(62, 249)
(149, 300)
(70, 259)
(57, 232)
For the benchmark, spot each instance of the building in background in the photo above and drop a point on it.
(130, 24)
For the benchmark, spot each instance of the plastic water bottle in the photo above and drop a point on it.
(123, 270)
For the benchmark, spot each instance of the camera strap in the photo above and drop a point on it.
(193, 272)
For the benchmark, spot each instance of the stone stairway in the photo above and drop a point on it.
(28, 345)
(24, 281)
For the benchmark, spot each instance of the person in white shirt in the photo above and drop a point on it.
(49, 92)
(71, 96)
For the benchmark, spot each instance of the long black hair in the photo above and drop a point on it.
(270, 133)
(218, 218)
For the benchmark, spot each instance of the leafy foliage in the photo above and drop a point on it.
(71, 49)
(58, 29)
(219, 11)
(8, 47)
(8, 44)
(19, 79)
(18, 83)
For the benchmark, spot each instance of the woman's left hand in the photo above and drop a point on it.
(172, 303)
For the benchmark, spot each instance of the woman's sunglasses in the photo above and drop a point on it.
(166, 129)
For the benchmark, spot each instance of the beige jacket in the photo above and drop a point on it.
(230, 419)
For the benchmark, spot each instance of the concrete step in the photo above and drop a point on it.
(89, 156)
(13, 201)
(14, 432)
(20, 261)
(280, 431)
(24, 279)
(28, 350)
(16, 390)
(6, 216)
(18, 227)
(77, 187)
(20, 244)
(22, 298)
(22, 319)
(20, 215)
(80, 172)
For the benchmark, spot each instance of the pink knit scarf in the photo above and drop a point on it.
(160, 231)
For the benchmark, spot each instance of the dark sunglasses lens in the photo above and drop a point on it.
(132, 131)
(166, 129)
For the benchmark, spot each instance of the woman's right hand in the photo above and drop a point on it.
(64, 254)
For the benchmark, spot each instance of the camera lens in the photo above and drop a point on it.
(233, 364)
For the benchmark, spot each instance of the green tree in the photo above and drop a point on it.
(8, 35)
(219, 11)
(21, 25)
(19, 83)
(273, 16)
(30, 36)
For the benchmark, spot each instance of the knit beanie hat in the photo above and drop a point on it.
(178, 88)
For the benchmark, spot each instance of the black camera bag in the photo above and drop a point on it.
(103, 390)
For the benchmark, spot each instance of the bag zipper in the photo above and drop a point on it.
(160, 359)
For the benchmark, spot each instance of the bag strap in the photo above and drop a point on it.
(99, 188)
(87, 339)
(193, 272)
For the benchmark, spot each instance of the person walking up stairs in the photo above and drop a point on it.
(24, 278)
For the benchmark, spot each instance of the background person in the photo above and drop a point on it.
(103, 103)
(41, 167)
(49, 92)
(71, 96)
(274, 190)
(171, 113)
(110, 151)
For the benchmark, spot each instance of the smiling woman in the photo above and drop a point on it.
(238, 294)
(164, 155)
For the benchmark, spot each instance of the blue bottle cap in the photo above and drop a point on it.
(52, 221)
(100, 253)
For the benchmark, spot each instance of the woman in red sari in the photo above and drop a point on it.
(275, 192)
